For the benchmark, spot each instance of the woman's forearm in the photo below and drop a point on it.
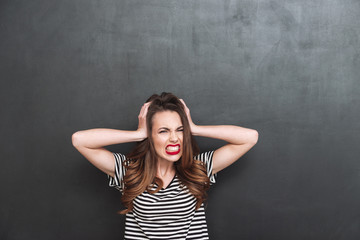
(229, 133)
(100, 137)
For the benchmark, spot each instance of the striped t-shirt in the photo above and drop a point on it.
(169, 213)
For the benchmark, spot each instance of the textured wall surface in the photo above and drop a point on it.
(287, 68)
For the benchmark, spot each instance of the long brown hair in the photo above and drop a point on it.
(141, 164)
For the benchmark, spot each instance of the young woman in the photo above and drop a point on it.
(164, 180)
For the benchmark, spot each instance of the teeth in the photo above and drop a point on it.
(172, 148)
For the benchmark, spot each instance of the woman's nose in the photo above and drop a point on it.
(173, 137)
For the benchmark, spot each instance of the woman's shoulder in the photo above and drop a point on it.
(122, 158)
(204, 156)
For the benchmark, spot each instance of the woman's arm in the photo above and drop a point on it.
(240, 140)
(90, 143)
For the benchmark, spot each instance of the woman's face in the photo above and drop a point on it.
(167, 135)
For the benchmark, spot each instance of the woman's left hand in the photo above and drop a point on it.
(191, 123)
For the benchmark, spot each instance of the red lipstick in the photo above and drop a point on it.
(171, 152)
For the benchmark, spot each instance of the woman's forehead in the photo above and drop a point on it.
(168, 119)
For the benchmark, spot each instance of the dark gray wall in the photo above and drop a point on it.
(289, 69)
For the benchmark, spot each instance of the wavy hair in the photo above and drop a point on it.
(141, 163)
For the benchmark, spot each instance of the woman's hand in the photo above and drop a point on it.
(142, 129)
(187, 111)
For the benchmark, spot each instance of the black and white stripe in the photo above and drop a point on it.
(167, 214)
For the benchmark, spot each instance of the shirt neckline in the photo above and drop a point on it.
(172, 180)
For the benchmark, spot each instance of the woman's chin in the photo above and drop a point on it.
(172, 157)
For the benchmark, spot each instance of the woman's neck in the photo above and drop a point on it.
(165, 168)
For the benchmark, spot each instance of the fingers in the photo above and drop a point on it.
(141, 111)
(187, 110)
(182, 101)
(142, 120)
(144, 110)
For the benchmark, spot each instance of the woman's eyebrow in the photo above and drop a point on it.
(166, 128)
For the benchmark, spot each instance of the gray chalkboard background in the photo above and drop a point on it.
(288, 68)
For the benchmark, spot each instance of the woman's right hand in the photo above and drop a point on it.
(142, 129)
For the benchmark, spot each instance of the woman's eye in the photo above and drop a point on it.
(163, 131)
(181, 130)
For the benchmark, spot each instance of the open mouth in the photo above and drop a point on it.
(172, 149)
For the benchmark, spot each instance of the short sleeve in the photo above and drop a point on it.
(117, 180)
(207, 159)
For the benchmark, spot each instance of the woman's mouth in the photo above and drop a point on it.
(172, 149)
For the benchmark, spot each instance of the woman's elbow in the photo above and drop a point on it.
(255, 137)
(75, 139)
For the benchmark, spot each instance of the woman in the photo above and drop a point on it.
(164, 179)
